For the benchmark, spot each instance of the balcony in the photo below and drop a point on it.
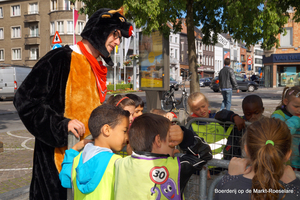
(173, 60)
(32, 16)
(32, 39)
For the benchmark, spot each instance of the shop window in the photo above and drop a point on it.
(287, 40)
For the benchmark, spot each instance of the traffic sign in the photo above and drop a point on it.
(249, 60)
(56, 46)
(56, 38)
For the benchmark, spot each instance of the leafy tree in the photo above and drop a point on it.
(249, 21)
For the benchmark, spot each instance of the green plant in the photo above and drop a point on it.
(119, 86)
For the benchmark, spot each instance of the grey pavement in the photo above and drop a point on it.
(16, 160)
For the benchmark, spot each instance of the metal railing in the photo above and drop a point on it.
(202, 191)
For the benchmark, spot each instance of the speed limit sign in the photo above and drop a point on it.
(249, 60)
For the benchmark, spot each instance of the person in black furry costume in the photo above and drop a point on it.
(60, 93)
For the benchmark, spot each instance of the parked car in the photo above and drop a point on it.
(11, 77)
(244, 84)
(204, 82)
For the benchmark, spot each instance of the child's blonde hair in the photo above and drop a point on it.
(287, 93)
(196, 96)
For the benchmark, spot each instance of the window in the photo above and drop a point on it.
(66, 5)
(16, 54)
(70, 27)
(34, 31)
(33, 8)
(1, 33)
(60, 27)
(259, 52)
(182, 46)
(258, 61)
(176, 40)
(16, 32)
(176, 52)
(53, 4)
(15, 10)
(80, 27)
(181, 57)
(172, 54)
(287, 40)
(34, 53)
(52, 28)
(170, 38)
(1, 54)
(1, 12)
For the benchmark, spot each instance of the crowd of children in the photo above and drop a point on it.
(152, 171)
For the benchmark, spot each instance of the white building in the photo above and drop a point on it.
(174, 41)
(222, 49)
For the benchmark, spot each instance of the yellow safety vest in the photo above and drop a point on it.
(151, 178)
(105, 188)
(214, 135)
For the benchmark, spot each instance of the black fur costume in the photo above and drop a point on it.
(62, 87)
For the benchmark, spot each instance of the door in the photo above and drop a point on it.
(242, 83)
(6, 82)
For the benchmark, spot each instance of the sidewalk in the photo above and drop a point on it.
(16, 164)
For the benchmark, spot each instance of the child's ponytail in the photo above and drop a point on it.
(268, 141)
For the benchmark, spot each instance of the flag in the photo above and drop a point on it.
(75, 18)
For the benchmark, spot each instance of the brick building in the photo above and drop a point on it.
(27, 28)
(282, 65)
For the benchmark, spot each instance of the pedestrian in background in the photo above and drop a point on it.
(227, 83)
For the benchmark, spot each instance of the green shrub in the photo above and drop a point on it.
(119, 86)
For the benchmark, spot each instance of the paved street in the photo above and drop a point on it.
(16, 160)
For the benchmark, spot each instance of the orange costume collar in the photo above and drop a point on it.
(100, 71)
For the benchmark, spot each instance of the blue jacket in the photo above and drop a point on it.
(90, 171)
(293, 122)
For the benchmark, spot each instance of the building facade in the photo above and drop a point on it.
(27, 28)
(282, 65)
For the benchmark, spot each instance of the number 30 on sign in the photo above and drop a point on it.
(159, 175)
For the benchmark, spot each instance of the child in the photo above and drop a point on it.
(267, 145)
(151, 171)
(123, 102)
(213, 133)
(253, 109)
(92, 171)
(289, 112)
(139, 104)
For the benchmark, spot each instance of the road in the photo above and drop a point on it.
(16, 160)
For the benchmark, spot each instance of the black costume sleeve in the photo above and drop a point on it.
(40, 100)
(197, 153)
(225, 115)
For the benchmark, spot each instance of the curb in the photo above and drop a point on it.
(15, 193)
(9, 112)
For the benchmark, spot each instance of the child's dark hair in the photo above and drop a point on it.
(252, 99)
(144, 129)
(158, 111)
(268, 141)
(287, 93)
(120, 101)
(105, 114)
(138, 100)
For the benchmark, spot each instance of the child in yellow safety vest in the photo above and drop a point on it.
(91, 172)
(152, 171)
(213, 133)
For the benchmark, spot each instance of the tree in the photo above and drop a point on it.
(249, 21)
